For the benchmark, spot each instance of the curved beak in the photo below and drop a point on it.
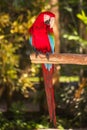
(51, 22)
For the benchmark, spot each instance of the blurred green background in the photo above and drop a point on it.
(22, 97)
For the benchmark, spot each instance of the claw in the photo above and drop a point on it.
(47, 55)
(36, 52)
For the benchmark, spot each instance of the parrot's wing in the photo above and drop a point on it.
(51, 40)
(52, 43)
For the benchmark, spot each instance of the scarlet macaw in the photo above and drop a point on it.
(42, 40)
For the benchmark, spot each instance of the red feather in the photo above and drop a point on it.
(49, 89)
(39, 32)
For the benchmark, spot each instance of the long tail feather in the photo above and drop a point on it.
(48, 74)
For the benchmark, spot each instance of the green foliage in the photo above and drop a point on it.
(15, 19)
(72, 102)
(2, 119)
(20, 124)
(74, 36)
(73, 26)
(18, 110)
(8, 62)
(82, 16)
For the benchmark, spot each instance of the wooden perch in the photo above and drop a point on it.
(62, 58)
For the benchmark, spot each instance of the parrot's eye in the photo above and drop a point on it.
(47, 22)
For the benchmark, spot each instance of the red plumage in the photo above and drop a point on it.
(49, 89)
(39, 32)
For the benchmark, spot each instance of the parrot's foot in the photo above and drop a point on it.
(47, 55)
(37, 53)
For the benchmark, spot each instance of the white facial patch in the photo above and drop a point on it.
(46, 17)
(51, 22)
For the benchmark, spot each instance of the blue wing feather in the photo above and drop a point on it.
(51, 40)
(30, 41)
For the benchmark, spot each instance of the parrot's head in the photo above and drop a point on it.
(49, 19)
(44, 19)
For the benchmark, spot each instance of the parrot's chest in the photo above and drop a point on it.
(41, 42)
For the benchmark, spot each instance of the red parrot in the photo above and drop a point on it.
(42, 40)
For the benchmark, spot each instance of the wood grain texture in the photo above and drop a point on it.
(61, 58)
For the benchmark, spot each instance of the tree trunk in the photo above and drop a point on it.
(55, 10)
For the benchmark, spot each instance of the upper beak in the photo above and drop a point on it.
(51, 22)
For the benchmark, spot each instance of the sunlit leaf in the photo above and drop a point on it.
(4, 19)
(2, 37)
(82, 17)
(68, 9)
